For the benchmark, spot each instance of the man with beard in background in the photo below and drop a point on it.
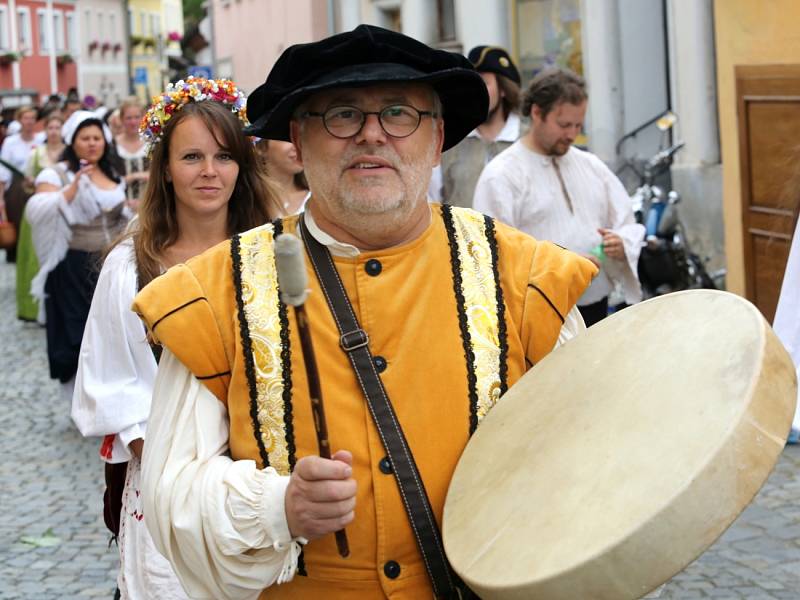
(551, 190)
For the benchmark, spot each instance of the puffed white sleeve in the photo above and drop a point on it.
(5, 174)
(623, 223)
(116, 367)
(220, 522)
(573, 326)
(50, 231)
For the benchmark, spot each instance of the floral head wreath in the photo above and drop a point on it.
(193, 89)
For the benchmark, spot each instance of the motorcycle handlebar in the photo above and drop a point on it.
(665, 155)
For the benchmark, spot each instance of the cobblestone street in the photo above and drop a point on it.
(51, 481)
(50, 477)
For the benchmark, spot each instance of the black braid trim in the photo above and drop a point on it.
(502, 332)
(286, 366)
(455, 262)
(247, 348)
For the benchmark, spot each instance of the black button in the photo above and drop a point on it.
(373, 267)
(385, 465)
(391, 569)
(380, 363)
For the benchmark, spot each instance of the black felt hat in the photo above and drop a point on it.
(493, 59)
(365, 56)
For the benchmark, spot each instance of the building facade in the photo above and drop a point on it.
(155, 28)
(39, 45)
(249, 35)
(102, 50)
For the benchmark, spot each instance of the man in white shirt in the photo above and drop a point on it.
(551, 190)
(453, 182)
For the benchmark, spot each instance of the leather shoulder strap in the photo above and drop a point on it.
(355, 343)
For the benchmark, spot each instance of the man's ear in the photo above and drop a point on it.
(294, 137)
(536, 113)
(437, 159)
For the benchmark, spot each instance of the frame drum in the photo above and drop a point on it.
(624, 454)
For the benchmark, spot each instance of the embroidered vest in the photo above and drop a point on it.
(263, 322)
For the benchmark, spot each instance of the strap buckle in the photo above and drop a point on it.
(353, 340)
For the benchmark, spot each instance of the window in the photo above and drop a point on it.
(88, 30)
(24, 35)
(43, 30)
(155, 25)
(102, 33)
(112, 27)
(143, 24)
(130, 22)
(5, 38)
(58, 30)
(72, 35)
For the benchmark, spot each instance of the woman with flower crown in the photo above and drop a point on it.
(205, 185)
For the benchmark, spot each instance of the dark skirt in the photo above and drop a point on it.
(69, 290)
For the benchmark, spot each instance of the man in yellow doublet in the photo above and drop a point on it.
(457, 307)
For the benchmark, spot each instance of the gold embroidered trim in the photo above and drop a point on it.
(480, 304)
(260, 301)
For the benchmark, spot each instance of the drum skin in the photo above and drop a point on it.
(624, 454)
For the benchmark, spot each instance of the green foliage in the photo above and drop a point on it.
(193, 11)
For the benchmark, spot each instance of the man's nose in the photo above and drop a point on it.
(371, 131)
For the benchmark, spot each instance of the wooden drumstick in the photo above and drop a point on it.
(293, 283)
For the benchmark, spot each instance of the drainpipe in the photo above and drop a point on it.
(213, 40)
(51, 33)
(331, 18)
(15, 73)
(126, 19)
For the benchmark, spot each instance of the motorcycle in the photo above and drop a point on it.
(666, 263)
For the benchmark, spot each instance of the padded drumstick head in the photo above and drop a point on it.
(291, 266)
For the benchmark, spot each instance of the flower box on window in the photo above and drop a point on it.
(105, 47)
(93, 45)
(6, 58)
(64, 59)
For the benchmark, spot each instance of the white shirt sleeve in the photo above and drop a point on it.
(622, 222)
(220, 522)
(50, 230)
(496, 194)
(116, 368)
(572, 327)
(5, 174)
(786, 324)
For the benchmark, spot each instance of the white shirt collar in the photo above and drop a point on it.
(509, 132)
(334, 246)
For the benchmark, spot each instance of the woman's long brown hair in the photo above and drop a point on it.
(254, 200)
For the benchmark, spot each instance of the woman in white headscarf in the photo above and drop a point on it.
(78, 209)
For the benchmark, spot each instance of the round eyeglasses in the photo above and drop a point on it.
(397, 120)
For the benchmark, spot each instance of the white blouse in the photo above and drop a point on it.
(113, 389)
(221, 522)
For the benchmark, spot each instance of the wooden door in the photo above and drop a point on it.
(768, 98)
